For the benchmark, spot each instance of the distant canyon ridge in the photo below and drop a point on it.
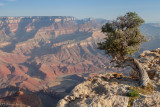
(35, 50)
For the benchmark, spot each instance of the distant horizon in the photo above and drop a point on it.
(74, 17)
(106, 9)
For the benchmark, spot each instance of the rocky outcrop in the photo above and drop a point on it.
(110, 90)
(100, 91)
(103, 92)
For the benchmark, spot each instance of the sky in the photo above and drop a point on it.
(149, 10)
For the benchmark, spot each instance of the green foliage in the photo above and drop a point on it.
(133, 93)
(123, 36)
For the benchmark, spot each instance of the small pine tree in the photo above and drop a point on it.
(123, 38)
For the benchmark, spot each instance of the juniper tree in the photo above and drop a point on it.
(123, 39)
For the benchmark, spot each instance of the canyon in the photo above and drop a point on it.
(35, 50)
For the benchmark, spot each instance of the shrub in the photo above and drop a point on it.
(133, 93)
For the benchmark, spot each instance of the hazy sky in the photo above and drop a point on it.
(108, 9)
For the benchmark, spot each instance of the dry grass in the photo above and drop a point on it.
(144, 90)
(117, 75)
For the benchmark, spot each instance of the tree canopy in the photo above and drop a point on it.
(123, 36)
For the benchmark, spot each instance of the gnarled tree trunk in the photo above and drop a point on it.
(136, 65)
